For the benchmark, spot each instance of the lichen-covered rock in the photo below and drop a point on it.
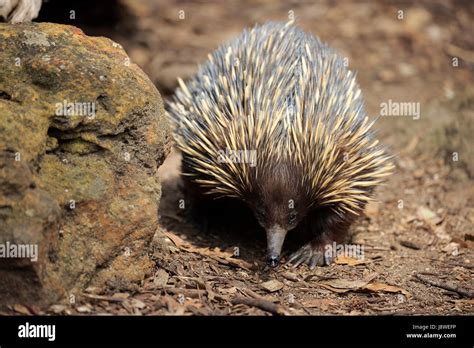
(82, 133)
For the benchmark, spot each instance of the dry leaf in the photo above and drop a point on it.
(84, 309)
(57, 308)
(441, 233)
(321, 303)
(171, 303)
(376, 287)
(178, 241)
(92, 290)
(343, 260)
(428, 216)
(19, 308)
(161, 278)
(272, 285)
(409, 219)
(344, 285)
(469, 302)
(137, 303)
(121, 295)
(228, 291)
(290, 276)
(197, 303)
(452, 248)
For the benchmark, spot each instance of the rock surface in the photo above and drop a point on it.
(82, 134)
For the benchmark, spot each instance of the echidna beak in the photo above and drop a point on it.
(275, 238)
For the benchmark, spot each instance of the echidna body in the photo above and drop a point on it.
(276, 120)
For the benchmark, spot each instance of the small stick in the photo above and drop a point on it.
(409, 244)
(252, 293)
(193, 293)
(257, 296)
(264, 305)
(446, 285)
(465, 265)
(401, 313)
(103, 298)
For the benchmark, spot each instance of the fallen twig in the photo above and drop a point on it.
(465, 265)
(193, 293)
(456, 51)
(219, 256)
(409, 244)
(103, 298)
(446, 285)
(251, 293)
(262, 304)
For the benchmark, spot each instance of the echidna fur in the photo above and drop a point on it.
(282, 93)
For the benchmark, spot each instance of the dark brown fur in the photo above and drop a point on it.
(275, 198)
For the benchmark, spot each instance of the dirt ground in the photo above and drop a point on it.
(418, 238)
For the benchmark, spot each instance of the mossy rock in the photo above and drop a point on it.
(82, 134)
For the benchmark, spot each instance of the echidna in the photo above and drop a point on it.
(275, 119)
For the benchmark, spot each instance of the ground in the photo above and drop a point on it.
(418, 237)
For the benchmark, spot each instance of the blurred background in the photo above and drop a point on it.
(411, 49)
(404, 51)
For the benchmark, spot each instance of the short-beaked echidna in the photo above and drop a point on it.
(275, 119)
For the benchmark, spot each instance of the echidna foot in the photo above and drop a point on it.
(311, 254)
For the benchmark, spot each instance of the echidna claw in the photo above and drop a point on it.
(308, 254)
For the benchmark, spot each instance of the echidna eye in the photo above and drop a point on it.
(260, 214)
(292, 218)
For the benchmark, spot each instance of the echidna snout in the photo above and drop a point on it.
(275, 238)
